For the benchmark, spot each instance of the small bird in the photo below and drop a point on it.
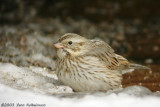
(89, 65)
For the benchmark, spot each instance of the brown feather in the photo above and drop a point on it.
(106, 54)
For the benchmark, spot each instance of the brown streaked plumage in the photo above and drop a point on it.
(89, 65)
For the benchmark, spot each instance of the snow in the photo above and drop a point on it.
(38, 86)
(9, 95)
(36, 79)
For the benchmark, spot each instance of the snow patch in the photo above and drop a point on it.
(112, 100)
(35, 79)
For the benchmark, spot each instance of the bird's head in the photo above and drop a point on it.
(71, 44)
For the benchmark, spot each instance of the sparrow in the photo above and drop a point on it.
(89, 65)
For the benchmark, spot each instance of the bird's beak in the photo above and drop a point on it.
(58, 45)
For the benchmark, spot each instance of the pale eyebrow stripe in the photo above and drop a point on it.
(66, 37)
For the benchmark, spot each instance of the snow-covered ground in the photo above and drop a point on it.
(9, 95)
(37, 86)
(35, 79)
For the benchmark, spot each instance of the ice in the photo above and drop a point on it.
(9, 95)
(35, 79)
(136, 90)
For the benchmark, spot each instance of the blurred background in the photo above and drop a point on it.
(29, 28)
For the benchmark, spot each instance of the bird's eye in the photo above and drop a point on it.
(70, 42)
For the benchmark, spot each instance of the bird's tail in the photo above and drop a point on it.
(137, 66)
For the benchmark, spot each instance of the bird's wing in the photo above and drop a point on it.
(123, 64)
(112, 61)
(106, 54)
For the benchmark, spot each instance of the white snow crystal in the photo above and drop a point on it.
(9, 95)
(32, 78)
(137, 90)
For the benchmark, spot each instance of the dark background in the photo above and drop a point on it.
(143, 15)
(95, 10)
